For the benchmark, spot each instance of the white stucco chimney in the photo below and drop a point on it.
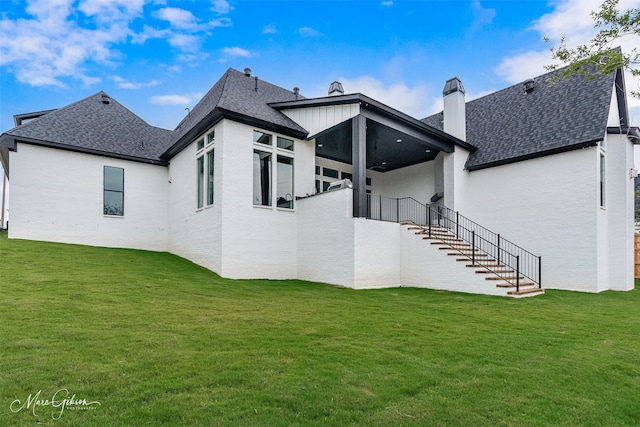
(454, 110)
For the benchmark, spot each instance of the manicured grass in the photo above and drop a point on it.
(159, 341)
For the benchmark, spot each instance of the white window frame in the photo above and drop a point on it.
(267, 145)
(205, 145)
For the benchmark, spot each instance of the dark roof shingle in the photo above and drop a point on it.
(95, 126)
(512, 125)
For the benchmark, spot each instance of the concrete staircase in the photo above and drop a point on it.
(496, 275)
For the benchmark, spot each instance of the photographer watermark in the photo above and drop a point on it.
(60, 400)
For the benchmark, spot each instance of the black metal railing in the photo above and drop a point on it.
(486, 249)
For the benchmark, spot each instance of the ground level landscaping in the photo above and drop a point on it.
(145, 338)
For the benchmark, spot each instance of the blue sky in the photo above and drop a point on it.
(158, 57)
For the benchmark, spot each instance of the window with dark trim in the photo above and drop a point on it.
(285, 182)
(200, 173)
(602, 180)
(284, 143)
(261, 178)
(210, 177)
(113, 191)
(261, 137)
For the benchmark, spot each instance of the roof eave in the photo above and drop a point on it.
(50, 144)
(220, 113)
(369, 103)
(535, 155)
(633, 132)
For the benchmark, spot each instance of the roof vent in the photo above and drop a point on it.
(247, 72)
(529, 85)
(105, 99)
(336, 89)
(296, 91)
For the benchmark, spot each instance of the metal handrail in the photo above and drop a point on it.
(502, 253)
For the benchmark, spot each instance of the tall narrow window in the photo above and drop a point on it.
(285, 182)
(210, 177)
(113, 191)
(602, 182)
(261, 178)
(200, 173)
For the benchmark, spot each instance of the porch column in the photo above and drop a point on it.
(359, 161)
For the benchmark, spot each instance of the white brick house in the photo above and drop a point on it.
(239, 185)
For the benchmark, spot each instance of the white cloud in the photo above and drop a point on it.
(221, 7)
(415, 100)
(185, 42)
(482, 15)
(308, 32)
(236, 52)
(178, 18)
(520, 67)
(50, 45)
(111, 10)
(220, 22)
(571, 19)
(124, 84)
(269, 29)
(387, 3)
(175, 99)
(60, 40)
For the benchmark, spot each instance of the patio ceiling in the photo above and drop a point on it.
(387, 148)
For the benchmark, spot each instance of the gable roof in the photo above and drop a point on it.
(559, 114)
(240, 97)
(97, 124)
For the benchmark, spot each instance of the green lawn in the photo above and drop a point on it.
(157, 340)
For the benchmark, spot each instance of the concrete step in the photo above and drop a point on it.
(495, 271)
(528, 292)
(503, 278)
(513, 285)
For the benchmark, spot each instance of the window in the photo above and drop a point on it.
(346, 175)
(331, 173)
(261, 178)
(200, 172)
(261, 137)
(285, 182)
(205, 169)
(286, 144)
(113, 191)
(210, 177)
(602, 182)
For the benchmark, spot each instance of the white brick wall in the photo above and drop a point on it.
(619, 210)
(548, 206)
(377, 254)
(234, 237)
(196, 234)
(325, 238)
(423, 265)
(57, 195)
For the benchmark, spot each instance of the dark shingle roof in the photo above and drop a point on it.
(511, 125)
(90, 125)
(236, 93)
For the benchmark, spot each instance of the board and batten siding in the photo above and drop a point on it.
(317, 119)
(57, 196)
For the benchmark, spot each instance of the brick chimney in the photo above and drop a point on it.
(454, 115)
